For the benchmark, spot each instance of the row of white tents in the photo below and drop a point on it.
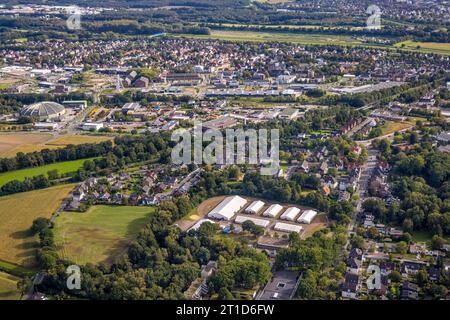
(230, 206)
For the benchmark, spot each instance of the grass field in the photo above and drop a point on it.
(64, 141)
(62, 167)
(273, 36)
(8, 287)
(17, 213)
(99, 235)
(320, 39)
(11, 144)
(425, 47)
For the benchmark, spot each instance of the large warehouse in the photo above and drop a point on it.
(43, 111)
(255, 207)
(227, 208)
(286, 227)
(273, 210)
(259, 222)
(307, 216)
(290, 214)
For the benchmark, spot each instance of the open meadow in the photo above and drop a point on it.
(99, 235)
(62, 167)
(17, 213)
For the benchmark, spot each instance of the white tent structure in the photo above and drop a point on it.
(286, 227)
(227, 208)
(307, 216)
(259, 222)
(290, 214)
(197, 225)
(273, 210)
(255, 207)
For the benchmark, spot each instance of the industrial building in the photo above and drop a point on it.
(255, 207)
(286, 227)
(273, 210)
(290, 214)
(307, 216)
(259, 222)
(227, 208)
(43, 111)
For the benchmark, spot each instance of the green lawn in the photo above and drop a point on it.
(101, 234)
(62, 167)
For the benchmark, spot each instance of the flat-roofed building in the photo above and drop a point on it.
(307, 216)
(290, 214)
(227, 208)
(286, 227)
(273, 210)
(198, 224)
(255, 207)
(259, 222)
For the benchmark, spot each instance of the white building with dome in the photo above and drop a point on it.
(44, 111)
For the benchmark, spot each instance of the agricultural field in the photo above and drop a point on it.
(11, 144)
(425, 47)
(17, 213)
(62, 167)
(99, 235)
(66, 140)
(8, 287)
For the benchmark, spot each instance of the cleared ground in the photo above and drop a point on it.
(11, 144)
(62, 167)
(17, 213)
(99, 235)
(8, 287)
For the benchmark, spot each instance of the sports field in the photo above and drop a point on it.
(99, 235)
(13, 143)
(62, 167)
(17, 213)
(8, 287)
